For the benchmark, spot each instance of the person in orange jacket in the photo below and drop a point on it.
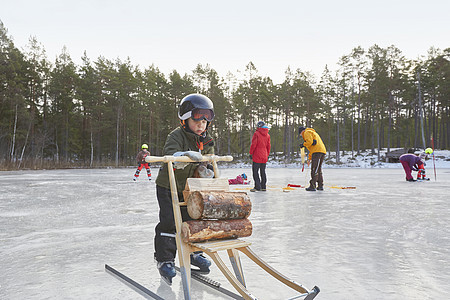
(259, 153)
(317, 151)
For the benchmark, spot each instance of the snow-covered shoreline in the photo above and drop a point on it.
(364, 160)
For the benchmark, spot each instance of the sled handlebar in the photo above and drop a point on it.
(207, 157)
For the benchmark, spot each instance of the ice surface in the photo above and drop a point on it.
(386, 239)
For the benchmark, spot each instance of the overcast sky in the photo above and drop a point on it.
(227, 34)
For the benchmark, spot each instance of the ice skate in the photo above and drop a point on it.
(201, 262)
(167, 271)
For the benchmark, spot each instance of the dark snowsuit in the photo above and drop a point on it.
(178, 140)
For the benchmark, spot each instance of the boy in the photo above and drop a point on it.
(140, 158)
(191, 139)
(421, 168)
(317, 152)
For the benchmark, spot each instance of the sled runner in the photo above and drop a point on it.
(233, 246)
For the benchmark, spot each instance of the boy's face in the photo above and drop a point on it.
(197, 127)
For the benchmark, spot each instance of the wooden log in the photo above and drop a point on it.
(206, 230)
(218, 205)
(205, 184)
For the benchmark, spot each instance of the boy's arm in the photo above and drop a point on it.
(172, 145)
(139, 157)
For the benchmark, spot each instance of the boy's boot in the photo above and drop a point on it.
(136, 175)
(167, 271)
(420, 174)
(201, 262)
(311, 188)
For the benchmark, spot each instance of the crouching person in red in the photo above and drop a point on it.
(411, 162)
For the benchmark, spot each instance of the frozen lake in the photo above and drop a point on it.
(386, 239)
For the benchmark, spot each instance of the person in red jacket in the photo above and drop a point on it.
(259, 153)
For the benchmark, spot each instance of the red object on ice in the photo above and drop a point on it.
(294, 185)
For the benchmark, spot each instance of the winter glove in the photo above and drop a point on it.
(195, 156)
(251, 156)
(204, 172)
(314, 142)
(301, 145)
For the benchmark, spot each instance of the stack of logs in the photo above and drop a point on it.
(217, 215)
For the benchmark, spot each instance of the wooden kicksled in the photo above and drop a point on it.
(236, 226)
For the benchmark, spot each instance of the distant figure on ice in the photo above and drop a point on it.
(240, 179)
(259, 153)
(140, 158)
(190, 139)
(317, 151)
(412, 162)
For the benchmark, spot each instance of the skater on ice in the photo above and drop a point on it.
(140, 158)
(259, 153)
(317, 151)
(191, 139)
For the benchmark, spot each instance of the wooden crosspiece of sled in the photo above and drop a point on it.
(212, 189)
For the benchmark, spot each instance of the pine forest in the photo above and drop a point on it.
(57, 114)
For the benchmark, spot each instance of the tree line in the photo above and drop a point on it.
(98, 113)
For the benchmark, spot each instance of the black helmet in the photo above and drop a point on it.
(197, 107)
(260, 124)
(300, 129)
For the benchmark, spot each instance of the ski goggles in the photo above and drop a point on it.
(199, 114)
